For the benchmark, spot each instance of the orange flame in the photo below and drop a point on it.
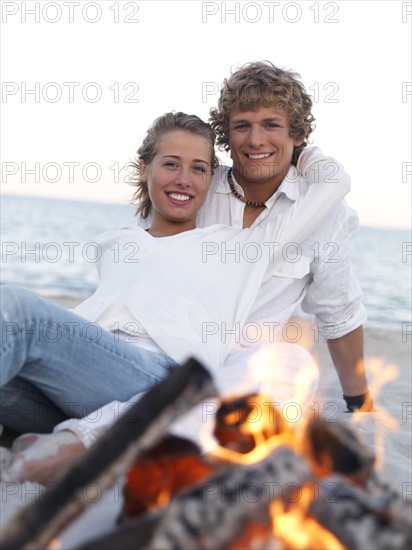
(297, 530)
(296, 385)
(380, 375)
(292, 525)
(270, 369)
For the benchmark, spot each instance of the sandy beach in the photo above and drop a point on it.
(387, 432)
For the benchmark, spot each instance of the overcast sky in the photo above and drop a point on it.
(81, 82)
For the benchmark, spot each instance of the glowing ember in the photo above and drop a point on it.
(248, 429)
(160, 473)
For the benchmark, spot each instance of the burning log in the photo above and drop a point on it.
(211, 515)
(241, 425)
(176, 463)
(112, 455)
(170, 466)
(243, 507)
(332, 447)
(275, 501)
(360, 519)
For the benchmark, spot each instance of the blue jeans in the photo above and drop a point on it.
(24, 408)
(51, 356)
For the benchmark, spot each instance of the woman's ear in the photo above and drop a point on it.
(142, 171)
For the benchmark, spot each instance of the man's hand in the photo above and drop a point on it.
(41, 458)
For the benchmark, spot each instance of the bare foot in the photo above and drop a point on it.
(42, 458)
(24, 441)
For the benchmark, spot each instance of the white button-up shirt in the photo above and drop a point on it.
(195, 292)
(317, 275)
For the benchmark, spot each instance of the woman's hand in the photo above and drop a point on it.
(41, 458)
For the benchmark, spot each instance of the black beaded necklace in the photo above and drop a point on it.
(256, 204)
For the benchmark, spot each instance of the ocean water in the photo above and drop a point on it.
(47, 245)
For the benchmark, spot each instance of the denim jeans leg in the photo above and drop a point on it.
(78, 365)
(24, 408)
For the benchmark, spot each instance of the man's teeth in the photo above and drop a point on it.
(262, 156)
(179, 197)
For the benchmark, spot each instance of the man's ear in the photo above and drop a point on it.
(297, 142)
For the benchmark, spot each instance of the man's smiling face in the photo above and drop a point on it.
(260, 145)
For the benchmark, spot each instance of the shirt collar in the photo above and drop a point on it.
(289, 186)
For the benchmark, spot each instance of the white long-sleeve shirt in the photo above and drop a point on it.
(321, 280)
(192, 293)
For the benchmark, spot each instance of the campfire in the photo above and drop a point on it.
(267, 485)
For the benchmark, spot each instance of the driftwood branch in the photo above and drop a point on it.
(136, 431)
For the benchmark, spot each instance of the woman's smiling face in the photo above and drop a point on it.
(178, 178)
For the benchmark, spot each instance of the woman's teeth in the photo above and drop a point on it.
(262, 156)
(179, 197)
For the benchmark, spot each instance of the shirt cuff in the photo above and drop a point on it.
(353, 320)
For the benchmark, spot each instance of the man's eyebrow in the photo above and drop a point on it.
(179, 158)
(274, 118)
(234, 119)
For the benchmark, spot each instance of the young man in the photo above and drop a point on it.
(264, 119)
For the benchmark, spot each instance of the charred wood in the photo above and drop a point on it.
(212, 514)
(361, 519)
